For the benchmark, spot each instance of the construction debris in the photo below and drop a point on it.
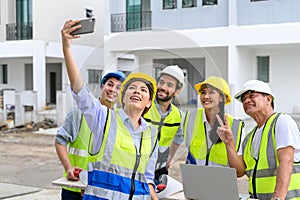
(32, 126)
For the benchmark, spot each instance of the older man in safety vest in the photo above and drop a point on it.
(271, 151)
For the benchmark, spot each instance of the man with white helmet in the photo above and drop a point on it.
(167, 117)
(271, 151)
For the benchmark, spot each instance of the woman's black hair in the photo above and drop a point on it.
(213, 135)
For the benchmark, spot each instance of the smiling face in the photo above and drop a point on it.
(166, 88)
(136, 96)
(110, 92)
(210, 98)
(256, 102)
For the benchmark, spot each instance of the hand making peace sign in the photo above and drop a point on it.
(224, 131)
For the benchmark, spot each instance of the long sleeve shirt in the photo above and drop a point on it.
(95, 115)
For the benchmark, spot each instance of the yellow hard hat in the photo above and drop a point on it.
(136, 76)
(218, 83)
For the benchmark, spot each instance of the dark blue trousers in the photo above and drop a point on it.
(70, 195)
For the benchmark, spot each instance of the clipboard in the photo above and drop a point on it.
(64, 182)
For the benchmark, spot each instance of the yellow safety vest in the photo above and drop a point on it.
(118, 172)
(78, 150)
(195, 139)
(167, 128)
(262, 172)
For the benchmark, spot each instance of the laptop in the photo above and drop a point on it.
(210, 183)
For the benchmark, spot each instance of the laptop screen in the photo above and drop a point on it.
(209, 182)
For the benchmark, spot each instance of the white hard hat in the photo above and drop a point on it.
(174, 71)
(256, 86)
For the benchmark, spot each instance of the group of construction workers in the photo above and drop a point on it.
(126, 150)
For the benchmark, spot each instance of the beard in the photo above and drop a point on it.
(165, 99)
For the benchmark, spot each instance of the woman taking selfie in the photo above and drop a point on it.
(121, 165)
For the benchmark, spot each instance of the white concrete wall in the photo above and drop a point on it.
(49, 17)
(117, 6)
(263, 12)
(189, 18)
(245, 70)
(15, 80)
(3, 16)
(284, 77)
(7, 16)
(216, 62)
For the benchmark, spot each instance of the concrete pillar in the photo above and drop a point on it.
(61, 107)
(39, 73)
(19, 110)
(35, 106)
(110, 61)
(9, 98)
(232, 76)
(232, 13)
(29, 98)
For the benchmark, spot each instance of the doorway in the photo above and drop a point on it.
(52, 88)
(53, 81)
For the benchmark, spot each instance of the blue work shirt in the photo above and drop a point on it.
(68, 132)
(95, 115)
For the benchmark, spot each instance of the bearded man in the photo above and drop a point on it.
(167, 117)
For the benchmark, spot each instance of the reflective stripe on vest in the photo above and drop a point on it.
(262, 172)
(120, 166)
(195, 139)
(167, 128)
(78, 150)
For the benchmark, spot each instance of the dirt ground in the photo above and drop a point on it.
(30, 159)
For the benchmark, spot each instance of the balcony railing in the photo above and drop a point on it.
(131, 21)
(19, 31)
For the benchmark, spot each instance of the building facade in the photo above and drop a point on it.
(31, 57)
(236, 39)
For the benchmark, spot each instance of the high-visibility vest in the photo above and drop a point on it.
(78, 150)
(167, 128)
(118, 172)
(262, 172)
(195, 139)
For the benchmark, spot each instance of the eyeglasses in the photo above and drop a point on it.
(162, 82)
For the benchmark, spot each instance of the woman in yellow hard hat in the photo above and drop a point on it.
(200, 127)
(122, 154)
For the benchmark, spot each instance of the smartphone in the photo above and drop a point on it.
(87, 26)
